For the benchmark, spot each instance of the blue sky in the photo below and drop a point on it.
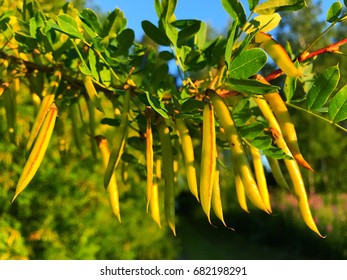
(139, 10)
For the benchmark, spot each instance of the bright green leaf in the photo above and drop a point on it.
(113, 24)
(69, 26)
(334, 12)
(272, 6)
(338, 106)
(155, 33)
(157, 105)
(323, 87)
(90, 18)
(289, 87)
(247, 63)
(230, 44)
(235, 10)
(93, 64)
(201, 36)
(158, 7)
(168, 9)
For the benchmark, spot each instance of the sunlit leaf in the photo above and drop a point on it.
(157, 105)
(323, 87)
(230, 44)
(90, 18)
(334, 12)
(247, 63)
(272, 6)
(338, 106)
(168, 9)
(289, 87)
(69, 26)
(113, 24)
(201, 36)
(264, 23)
(235, 10)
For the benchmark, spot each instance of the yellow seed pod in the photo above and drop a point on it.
(188, 156)
(208, 158)
(112, 188)
(38, 151)
(277, 53)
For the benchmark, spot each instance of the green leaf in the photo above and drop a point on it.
(105, 75)
(188, 32)
(110, 122)
(230, 44)
(250, 87)
(166, 55)
(273, 6)
(191, 105)
(289, 87)
(157, 105)
(153, 32)
(235, 10)
(334, 12)
(168, 9)
(69, 26)
(126, 157)
(184, 23)
(338, 106)
(171, 33)
(275, 152)
(126, 39)
(91, 19)
(261, 142)
(195, 61)
(345, 2)
(247, 63)
(252, 4)
(201, 36)
(322, 88)
(137, 143)
(252, 130)
(92, 60)
(113, 24)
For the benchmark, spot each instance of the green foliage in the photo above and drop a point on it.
(109, 81)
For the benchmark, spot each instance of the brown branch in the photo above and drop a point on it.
(333, 48)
